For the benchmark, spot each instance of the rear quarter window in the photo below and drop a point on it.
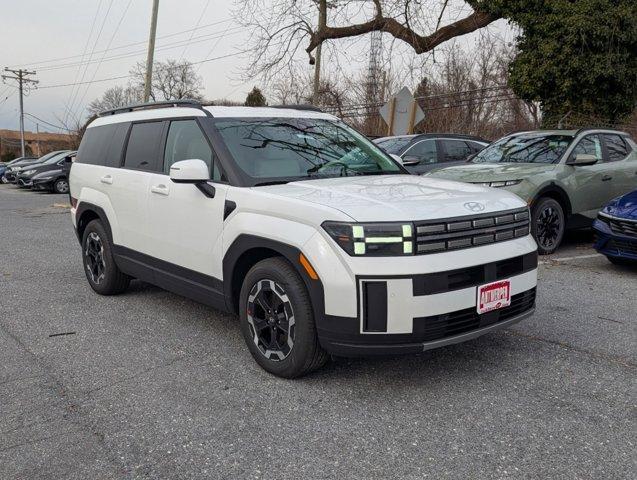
(103, 145)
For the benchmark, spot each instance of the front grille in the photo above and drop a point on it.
(438, 282)
(462, 321)
(622, 246)
(623, 227)
(472, 231)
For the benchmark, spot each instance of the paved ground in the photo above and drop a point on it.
(151, 385)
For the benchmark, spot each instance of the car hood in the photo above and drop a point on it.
(623, 207)
(488, 172)
(397, 197)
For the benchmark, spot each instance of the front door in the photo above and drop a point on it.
(623, 160)
(185, 224)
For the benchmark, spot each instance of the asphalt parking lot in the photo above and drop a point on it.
(152, 385)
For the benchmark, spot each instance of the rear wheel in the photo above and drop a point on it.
(99, 265)
(277, 320)
(61, 186)
(548, 225)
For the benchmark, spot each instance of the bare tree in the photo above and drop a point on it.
(280, 27)
(172, 80)
(115, 97)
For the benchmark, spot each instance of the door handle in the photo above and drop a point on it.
(107, 179)
(160, 189)
(606, 178)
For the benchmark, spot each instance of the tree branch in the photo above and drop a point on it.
(420, 43)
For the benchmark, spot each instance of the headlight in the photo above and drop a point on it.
(373, 239)
(28, 172)
(505, 183)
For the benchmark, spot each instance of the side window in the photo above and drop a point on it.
(475, 146)
(455, 150)
(143, 146)
(589, 145)
(425, 150)
(616, 146)
(186, 141)
(103, 145)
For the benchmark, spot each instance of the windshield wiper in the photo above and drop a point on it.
(273, 182)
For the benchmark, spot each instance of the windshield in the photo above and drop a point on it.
(48, 156)
(301, 148)
(394, 145)
(531, 148)
(55, 158)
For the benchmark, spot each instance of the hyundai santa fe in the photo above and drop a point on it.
(319, 241)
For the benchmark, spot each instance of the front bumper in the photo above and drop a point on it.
(10, 177)
(412, 313)
(44, 184)
(24, 182)
(612, 244)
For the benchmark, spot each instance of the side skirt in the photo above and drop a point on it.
(182, 281)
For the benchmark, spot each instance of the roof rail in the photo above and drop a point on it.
(301, 106)
(151, 105)
(585, 129)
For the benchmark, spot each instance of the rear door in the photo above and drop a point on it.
(623, 163)
(185, 224)
(129, 184)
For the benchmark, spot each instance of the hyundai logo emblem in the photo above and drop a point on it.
(474, 206)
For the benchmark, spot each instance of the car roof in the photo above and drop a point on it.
(208, 111)
(418, 136)
(570, 132)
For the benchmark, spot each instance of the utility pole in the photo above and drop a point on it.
(322, 20)
(151, 51)
(21, 76)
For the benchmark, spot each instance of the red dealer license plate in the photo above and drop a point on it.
(494, 295)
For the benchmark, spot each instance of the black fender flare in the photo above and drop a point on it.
(244, 243)
(552, 188)
(84, 207)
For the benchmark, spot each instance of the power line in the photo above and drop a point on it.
(48, 123)
(193, 32)
(40, 63)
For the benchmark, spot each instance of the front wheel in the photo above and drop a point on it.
(61, 186)
(277, 320)
(548, 225)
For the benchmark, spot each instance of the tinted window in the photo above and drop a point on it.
(525, 148)
(425, 151)
(143, 146)
(394, 145)
(589, 145)
(103, 145)
(455, 150)
(475, 146)
(617, 149)
(186, 141)
(289, 148)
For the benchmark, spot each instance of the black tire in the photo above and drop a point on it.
(290, 299)
(61, 185)
(548, 225)
(105, 279)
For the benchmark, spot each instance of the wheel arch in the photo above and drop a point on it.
(87, 212)
(558, 194)
(246, 251)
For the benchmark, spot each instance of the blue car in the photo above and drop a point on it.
(616, 230)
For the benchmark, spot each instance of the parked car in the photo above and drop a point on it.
(426, 152)
(320, 241)
(566, 176)
(3, 168)
(616, 230)
(11, 174)
(53, 164)
(52, 175)
(20, 159)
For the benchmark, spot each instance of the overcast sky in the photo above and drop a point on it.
(50, 36)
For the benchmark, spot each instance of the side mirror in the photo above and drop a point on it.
(582, 159)
(189, 171)
(411, 160)
(398, 158)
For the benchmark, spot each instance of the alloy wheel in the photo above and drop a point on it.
(271, 319)
(549, 227)
(62, 186)
(94, 253)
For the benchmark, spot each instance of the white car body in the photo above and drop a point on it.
(190, 239)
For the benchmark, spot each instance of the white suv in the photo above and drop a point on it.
(322, 243)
